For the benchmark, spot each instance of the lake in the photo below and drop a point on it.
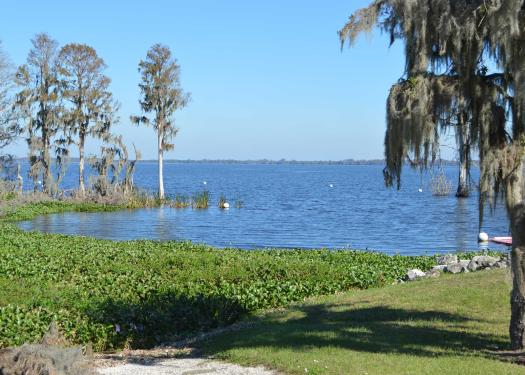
(293, 206)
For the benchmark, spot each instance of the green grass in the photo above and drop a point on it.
(451, 325)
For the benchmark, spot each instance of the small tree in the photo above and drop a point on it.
(162, 95)
(39, 103)
(110, 165)
(92, 108)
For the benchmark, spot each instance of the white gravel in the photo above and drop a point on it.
(184, 366)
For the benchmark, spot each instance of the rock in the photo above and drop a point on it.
(505, 258)
(440, 267)
(455, 268)
(433, 273)
(414, 274)
(481, 262)
(500, 264)
(447, 259)
(473, 266)
(464, 263)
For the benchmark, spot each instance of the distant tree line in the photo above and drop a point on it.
(61, 97)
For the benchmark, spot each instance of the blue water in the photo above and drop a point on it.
(292, 206)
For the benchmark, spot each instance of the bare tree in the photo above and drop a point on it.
(162, 95)
(39, 103)
(9, 128)
(112, 162)
(446, 43)
(92, 108)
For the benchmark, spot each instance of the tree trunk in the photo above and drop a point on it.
(463, 188)
(516, 209)
(161, 160)
(463, 138)
(19, 180)
(46, 161)
(81, 141)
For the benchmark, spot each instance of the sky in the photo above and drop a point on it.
(268, 79)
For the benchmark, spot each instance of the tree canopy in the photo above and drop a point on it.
(465, 64)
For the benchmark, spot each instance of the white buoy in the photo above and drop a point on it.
(331, 185)
(483, 237)
(420, 190)
(225, 205)
(204, 182)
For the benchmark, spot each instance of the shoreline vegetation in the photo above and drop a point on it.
(138, 294)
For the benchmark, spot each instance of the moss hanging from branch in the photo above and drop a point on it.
(446, 46)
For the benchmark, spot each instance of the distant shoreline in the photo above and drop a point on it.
(272, 162)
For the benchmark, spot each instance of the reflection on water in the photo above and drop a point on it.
(304, 206)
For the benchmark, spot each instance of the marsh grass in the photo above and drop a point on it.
(181, 201)
(440, 185)
(200, 200)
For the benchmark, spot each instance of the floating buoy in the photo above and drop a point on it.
(420, 190)
(483, 237)
(331, 185)
(225, 205)
(204, 182)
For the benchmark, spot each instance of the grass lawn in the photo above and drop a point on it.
(450, 325)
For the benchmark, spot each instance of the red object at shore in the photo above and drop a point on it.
(502, 240)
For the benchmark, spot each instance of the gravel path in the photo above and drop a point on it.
(184, 366)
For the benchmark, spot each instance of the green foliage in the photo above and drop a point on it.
(138, 293)
(156, 291)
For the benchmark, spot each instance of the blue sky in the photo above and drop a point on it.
(267, 78)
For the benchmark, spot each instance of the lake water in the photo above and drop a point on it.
(293, 206)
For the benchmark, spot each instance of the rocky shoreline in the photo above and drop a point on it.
(450, 263)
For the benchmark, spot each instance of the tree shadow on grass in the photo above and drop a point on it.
(162, 317)
(377, 329)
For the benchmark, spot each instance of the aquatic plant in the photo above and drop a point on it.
(440, 185)
(139, 293)
(181, 201)
(222, 201)
(200, 200)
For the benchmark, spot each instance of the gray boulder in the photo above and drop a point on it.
(464, 263)
(500, 264)
(440, 267)
(481, 262)
(455, 268)
(414, 274)
(447, 259)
